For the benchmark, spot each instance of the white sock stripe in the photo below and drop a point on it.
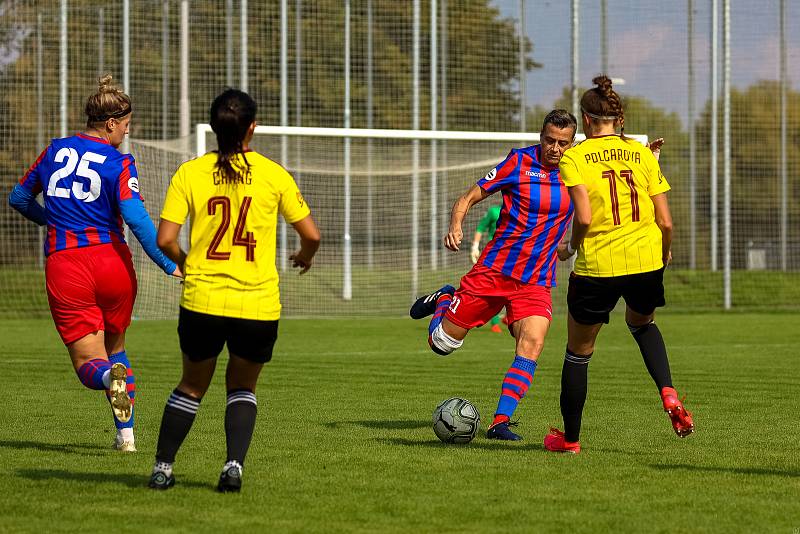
(183, 409)
(580, 360)
(183, 404)
(242, 396)
(184, 400)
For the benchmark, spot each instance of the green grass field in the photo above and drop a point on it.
(343, 441)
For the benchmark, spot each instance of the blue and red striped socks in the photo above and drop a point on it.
(515, 384)
(442, 303)
(94, 374)
(122, 357)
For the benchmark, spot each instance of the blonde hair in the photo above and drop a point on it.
(109, 102)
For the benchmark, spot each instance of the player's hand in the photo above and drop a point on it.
(177, 273)
(668, 258)
(563, 253)
(475, 253)
(655, 146)
(452, 240)
(298, 261)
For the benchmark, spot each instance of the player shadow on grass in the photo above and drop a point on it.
(765, 471)
(480, 444)
(400, 424)
(132, 480)
(84, 449)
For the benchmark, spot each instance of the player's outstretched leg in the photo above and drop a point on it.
(124, 440)
(179, 414)
(654, 353)
(515, 385)
(427, 304)
(240, 420)
(574, 382)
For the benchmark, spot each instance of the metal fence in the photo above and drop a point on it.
(719, 81)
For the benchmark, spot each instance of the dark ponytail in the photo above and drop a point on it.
(232, 113)
(603, 103)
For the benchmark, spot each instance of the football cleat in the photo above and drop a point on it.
(502, 432)
(554, 441)
(159, 480)
(118, 390)
(681, 418)
(426, 304)
(230, 480)
(123, 445)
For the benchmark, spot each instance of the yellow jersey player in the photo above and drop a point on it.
(232, 197)
(622, 233)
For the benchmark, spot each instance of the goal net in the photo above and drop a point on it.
(381, 198)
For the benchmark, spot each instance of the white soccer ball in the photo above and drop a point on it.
(456, 420)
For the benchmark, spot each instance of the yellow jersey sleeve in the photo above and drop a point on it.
(658, 182)
(292, 205)
(568, 169)
(176, 204)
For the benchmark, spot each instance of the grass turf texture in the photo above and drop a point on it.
(22, 292)
(344, 441)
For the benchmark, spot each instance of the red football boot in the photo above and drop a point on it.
(554, 441)
(681, 418)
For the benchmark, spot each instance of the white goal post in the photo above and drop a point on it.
(390, 153)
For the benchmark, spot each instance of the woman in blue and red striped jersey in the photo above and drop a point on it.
(89, 189)
(516, 268)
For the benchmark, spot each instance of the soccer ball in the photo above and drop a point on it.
(456, 420)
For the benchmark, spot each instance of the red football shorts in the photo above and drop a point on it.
(484, 292)
(89, 289)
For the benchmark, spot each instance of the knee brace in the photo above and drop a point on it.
(441, 343)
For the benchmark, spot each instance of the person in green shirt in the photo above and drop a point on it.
(487, 225)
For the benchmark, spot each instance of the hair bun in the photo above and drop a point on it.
(603, 83)
(105, 84)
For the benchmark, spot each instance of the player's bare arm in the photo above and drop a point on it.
(309, 234)
(460, 209)
(664, 222)
(167, 241)
(581, 220)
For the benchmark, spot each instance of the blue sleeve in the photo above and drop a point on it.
(24, 202)
(137, 219)
(502, 176)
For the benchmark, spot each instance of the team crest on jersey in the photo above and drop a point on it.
(490, 175)
(133, 184)
(300, 199)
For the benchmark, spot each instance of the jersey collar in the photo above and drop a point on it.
(93, 138)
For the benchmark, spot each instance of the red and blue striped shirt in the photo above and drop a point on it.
(535, 214)
(83, 179)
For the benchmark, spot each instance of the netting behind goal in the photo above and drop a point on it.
(382, 216)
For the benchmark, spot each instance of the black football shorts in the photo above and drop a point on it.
(203, 336)
(591, 299)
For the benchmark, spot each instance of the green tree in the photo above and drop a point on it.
(755, 169)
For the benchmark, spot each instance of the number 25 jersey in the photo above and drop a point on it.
(620, 176)
(230, 267)
(83, 179)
